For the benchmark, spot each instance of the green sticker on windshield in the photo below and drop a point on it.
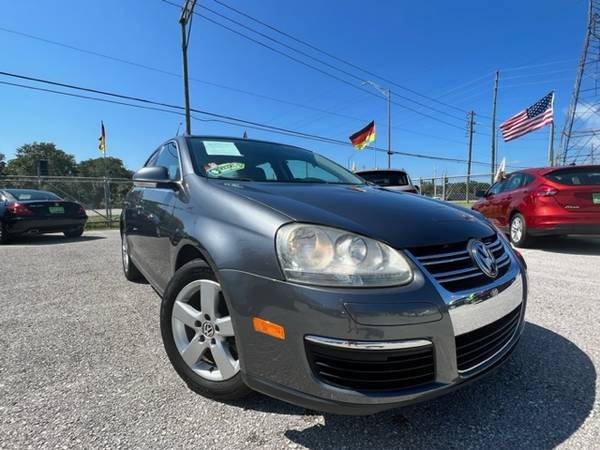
(225, 168)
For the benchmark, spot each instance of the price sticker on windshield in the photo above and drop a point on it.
(221, 148)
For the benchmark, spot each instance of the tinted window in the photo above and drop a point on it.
(496, 188)
(576, 176)
(169, 158)
(527, 179)
(26, 194)
(264, 161)
(383, 178)
(514, 182)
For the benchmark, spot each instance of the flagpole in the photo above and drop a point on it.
(551, 138)
(551, 145)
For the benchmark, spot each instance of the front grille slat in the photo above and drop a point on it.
(475, 347)
(372, 370)
(452, 266)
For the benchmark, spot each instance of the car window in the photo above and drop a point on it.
(307, 171)
(576, 176)
(29, 194)
(249, 160)
(169, 158)
(270, 174)
(383, 178)
(527, 179)
(514, 182)
(152, 158)
(496, 187)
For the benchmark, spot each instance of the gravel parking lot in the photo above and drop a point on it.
(82, 365)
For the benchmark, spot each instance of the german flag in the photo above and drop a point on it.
(364, 137)
(102, 138)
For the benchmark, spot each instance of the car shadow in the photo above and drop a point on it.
(51, 239)
(537, 399)
(572, 245)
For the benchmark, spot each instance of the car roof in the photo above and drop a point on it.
(545, 170)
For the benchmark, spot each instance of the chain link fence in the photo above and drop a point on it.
(459, 188)
(101, 197)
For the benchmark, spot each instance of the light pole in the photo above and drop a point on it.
(186, 16)
(388, 95)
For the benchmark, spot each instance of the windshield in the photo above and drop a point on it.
(25, 194)
(576, 176)
(383, 178)
(247, 160)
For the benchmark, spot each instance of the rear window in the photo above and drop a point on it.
(383, 178)
(24, 195)
(576, 176)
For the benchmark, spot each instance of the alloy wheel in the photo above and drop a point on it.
(125, 252)
(203, 331)
(516, 229)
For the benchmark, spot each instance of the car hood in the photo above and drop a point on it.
(402, 220)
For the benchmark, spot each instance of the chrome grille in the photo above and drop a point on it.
(452, 266)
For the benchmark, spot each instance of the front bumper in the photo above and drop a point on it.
(418, 312)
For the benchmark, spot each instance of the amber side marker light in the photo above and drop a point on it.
(269, 328)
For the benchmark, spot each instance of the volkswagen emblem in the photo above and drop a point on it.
(483, 258)
(208, 329)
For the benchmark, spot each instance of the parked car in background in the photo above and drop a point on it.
(550, 201)
(28, 211)
(278, 274)
(393, 179)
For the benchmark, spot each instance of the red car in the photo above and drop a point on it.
(548, 201)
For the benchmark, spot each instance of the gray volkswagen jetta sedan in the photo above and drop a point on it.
(284, 273)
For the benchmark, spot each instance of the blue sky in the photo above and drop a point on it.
(447, 50)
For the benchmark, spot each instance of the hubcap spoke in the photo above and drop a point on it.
(186, 313)
(225, 326)
(223, 360)
(209, 297)
(193, 352)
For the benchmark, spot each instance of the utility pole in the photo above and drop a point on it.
(551, 145)
(185, 18)
(470, 123)
(388, 95)
(494, 96)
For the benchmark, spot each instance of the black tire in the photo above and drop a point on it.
(74, 233)
(225, 390)
(4, 238)
(130, 271)
(522, 238)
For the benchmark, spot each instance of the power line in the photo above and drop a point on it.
(216, 117)
(330, 55)
(324, 72)
(210, 83)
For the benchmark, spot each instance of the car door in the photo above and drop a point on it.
(504, 199)
(155, 211)
(486, 205)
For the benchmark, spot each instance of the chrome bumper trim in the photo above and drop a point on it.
(368, 345)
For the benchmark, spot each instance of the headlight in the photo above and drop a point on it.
(324, 256)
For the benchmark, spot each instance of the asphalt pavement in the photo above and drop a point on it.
(82, 366)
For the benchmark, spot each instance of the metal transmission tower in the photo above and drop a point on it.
(581, 132)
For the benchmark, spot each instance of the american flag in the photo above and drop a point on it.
(536, 116)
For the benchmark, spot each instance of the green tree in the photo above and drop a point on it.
(28, 155)
(93, 194)
(2, 164)
(96, 168)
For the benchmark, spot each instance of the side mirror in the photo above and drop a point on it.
(480, 194)
(153, 176)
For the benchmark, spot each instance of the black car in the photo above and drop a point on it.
(28, 211)
(278, 274)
